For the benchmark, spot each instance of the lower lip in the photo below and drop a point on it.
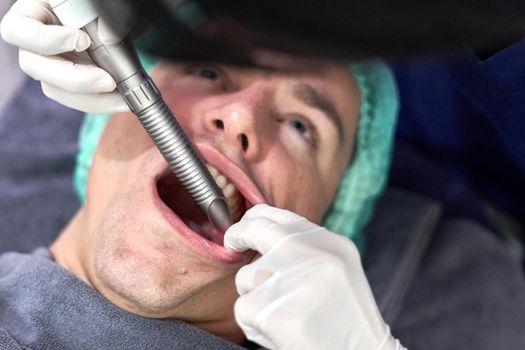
(196, 241)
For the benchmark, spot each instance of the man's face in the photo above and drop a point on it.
(283, 139)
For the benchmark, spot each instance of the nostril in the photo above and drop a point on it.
(244, 142)
(219, 124)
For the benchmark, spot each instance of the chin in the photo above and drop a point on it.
(138, 264)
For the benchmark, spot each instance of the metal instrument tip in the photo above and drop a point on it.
(219, 214)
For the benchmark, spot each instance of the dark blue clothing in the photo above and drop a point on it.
(462, 121)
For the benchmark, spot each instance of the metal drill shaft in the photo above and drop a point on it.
(169, 138)
(145, 101)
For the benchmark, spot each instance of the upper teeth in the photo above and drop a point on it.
(231, 194)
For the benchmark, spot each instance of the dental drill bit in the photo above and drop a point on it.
(145, 101)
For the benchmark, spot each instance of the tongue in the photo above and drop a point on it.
(208, 231)
(179, 201)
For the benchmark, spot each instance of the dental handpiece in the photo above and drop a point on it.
(145, 101)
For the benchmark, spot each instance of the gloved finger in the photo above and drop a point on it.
(32, 35)
(58, 71)
(262, 339)
(281, 216)
(259, 233)
(105, 103)
(251, 276)
(262, 313)
(246, 310)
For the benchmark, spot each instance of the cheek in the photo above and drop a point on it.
(291, 185)
(121, 144)
(123, 139)
(186, 109)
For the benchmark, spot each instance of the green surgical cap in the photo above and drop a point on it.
(363, 180)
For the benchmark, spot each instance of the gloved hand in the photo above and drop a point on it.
(55, 55)
(307, 291)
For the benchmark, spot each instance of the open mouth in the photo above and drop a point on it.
(176, 198)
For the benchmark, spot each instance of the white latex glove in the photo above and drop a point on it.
(307, 291)
(55, 56)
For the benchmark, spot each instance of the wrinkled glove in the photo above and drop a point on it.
(307, 291)
(55, 55)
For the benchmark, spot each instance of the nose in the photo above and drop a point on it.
(238, 121)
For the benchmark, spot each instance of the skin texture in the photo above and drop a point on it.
(121, 245)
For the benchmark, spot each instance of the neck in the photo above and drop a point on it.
(65, 248)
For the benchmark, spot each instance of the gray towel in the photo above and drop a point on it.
(7, 342)
(43, 306)
(37, 148)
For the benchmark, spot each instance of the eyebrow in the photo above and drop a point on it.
(308, 95)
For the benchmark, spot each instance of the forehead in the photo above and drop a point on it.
(331, 77)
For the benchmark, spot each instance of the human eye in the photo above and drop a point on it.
(208, 76)
(205, 73)
(305, 129)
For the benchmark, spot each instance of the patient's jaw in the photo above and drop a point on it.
(281, 138)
